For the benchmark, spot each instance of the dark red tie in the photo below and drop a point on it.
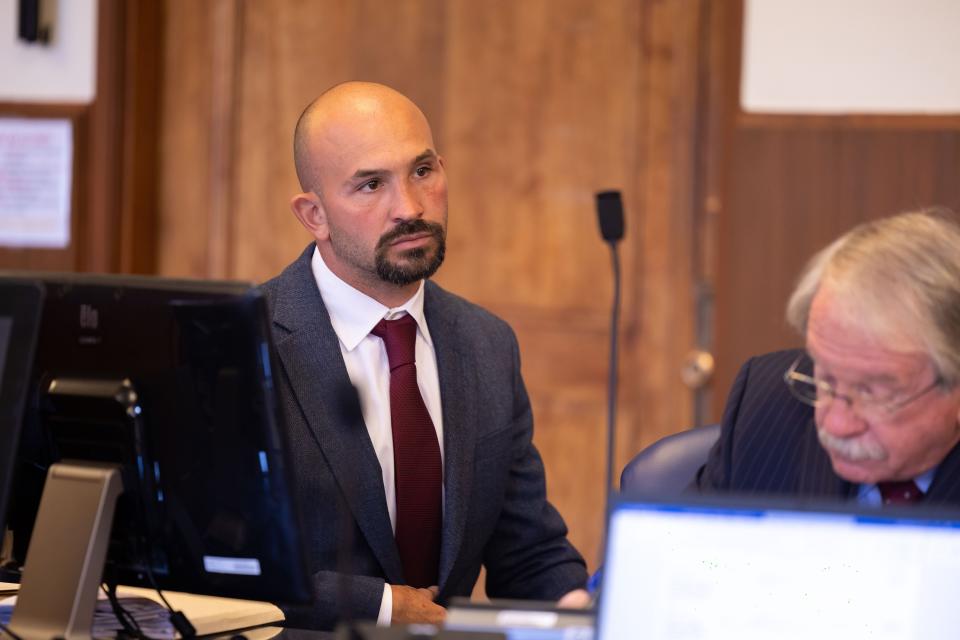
(900, 492)
(416, 458)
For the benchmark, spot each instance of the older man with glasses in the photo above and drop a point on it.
(870, 410)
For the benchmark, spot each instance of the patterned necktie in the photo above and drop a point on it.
(416, 458)
(900, 492)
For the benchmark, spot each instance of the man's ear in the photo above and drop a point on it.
(310, 212)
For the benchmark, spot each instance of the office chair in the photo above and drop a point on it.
(668, 465)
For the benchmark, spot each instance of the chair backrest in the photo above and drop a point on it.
(668, 465)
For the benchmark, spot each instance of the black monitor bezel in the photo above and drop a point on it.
(21, 300)
(60, 285)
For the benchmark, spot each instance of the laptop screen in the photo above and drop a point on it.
(721, 568)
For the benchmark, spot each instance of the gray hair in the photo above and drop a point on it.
(897, 276)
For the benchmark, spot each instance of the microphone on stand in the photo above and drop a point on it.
(610, 216)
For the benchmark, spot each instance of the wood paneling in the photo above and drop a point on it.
(535, 105)
(792, 184)
(98, 219)
(113, 204)
(141, 38)
(792, 191)
(187, 190)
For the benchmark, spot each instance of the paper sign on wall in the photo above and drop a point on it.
(855, 56)
(36, 167)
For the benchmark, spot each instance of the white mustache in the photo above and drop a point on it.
(853, 449)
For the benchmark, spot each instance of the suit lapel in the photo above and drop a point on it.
(816, 476)
(457, 373)
(946, 482)
(310, 354)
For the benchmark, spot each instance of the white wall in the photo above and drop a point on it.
(851, 56)
(64, 71)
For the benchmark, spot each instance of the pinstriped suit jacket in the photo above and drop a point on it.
(768, 443)
(495, 507)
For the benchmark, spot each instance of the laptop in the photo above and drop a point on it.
(701, 567)
(520, 619)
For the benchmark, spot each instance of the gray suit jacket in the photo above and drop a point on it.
(495, 507)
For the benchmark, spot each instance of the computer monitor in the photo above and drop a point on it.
(160, 392)
(20, 303)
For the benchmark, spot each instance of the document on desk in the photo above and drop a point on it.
(210, 614)
(207, 614)
(152, 617)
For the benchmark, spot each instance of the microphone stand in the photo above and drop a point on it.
(612, 377)
(610, 217)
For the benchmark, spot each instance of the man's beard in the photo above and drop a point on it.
(418, 263)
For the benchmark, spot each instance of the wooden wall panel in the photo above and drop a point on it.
(535, 105)
(792, 191)
(793, 183)
(527, 150)
(659, 325)
(185, 198)
(113, 211)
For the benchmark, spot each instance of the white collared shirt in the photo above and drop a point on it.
(353, 315)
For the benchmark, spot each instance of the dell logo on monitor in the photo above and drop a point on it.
(89, 317)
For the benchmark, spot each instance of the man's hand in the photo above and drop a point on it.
(576, 599)
(416, 606)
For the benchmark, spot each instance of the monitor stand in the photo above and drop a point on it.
(68, 548)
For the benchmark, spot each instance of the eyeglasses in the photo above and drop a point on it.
(867, 402)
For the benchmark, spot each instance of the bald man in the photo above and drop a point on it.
(427, 470)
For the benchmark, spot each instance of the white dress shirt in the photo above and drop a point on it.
(353, 315)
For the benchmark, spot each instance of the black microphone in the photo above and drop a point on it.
(610, 216)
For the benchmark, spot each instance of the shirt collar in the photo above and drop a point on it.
(924, 480)
(870, 493)
(353, 313)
